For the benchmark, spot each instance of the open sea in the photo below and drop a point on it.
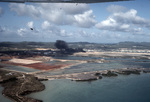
(123, 88)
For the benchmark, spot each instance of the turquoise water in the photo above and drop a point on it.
(132, 88)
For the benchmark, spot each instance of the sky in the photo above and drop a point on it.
(110, 22)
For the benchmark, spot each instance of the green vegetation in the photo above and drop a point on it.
(6, 46)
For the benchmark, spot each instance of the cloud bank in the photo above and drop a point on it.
(72, 21)
(123, 20)
(58, 14)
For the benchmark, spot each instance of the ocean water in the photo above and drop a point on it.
(131, 88)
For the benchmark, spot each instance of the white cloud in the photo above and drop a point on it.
(51, 30)
(7, 34)
(120, 24)
(131, 17)
(64, 33)
(112, 24)
(30, 24)
(21, 31)
(25, 10)
(45, 25)
(2, 29)
(66, 7)
(124, 21)
(116, 8)
(57, 13)
(85, 20)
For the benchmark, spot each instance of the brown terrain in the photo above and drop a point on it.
(1, 66)
(39, 66)
(45, 66)
(17, 85)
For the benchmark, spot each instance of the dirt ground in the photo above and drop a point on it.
(35, 64)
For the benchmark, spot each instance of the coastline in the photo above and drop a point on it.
(114, 54)
(95, 75)
(17, 85)
(131, 88)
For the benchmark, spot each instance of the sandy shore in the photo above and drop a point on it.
(112, 54)
(43, 63)
(24, 61)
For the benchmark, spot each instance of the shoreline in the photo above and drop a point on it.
(7, 78)
(114, 54)
(17, 85)
(95, 75)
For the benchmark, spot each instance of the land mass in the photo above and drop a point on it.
(17, 85)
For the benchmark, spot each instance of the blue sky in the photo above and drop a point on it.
(98, 22)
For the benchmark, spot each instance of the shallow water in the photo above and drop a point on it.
(18, 68)
(2, 98)
(132, 88)
(115, 63)
(77, 58)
